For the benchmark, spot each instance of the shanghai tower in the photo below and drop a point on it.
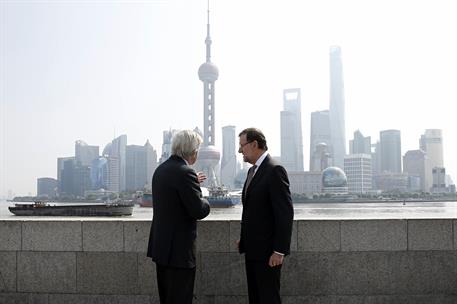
(336, 111)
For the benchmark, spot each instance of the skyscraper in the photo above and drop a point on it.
(166, 144)
(390, 154)
(416, 164)
(376, 158)
(114, 152)
(67, 176)
(84, 153)
(228, 163)
(291, 131)
(439, 180)
(431, 142)
(141, 162)
(99, 173)
(320, 135)
(81, 180)
(135, 167)
(360, 144)
(320, 160)
(60, 169)
(112, 183)
(358, 172)
(209, 156)
(337, 106)
(151, 162)
(46, 187)
(118, 146)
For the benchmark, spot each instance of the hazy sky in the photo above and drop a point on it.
(94, 69)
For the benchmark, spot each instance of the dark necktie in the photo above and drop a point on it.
(250, 176)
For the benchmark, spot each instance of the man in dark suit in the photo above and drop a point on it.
(178, 204)
(266, 222)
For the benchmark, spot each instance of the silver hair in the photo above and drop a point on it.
(185, 143)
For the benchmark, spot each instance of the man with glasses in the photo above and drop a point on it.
(266, 222)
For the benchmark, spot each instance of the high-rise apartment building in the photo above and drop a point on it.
(390, 151)
(337, 107)
(358, 172)
(320, 141)
(228, 163)
(291, 131)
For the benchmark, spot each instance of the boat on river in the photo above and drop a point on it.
(40, 208)
(146, 200)
(220, 197)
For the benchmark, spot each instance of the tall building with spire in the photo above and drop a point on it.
(337, 106)
(209, 155)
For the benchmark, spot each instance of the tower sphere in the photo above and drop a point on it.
(209, 155)
(208, 72)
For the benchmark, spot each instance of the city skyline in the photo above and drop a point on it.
(89, 71)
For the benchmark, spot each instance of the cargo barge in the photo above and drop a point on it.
(71, 209)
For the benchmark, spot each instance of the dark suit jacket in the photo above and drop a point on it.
(266, 223)
(177, 203)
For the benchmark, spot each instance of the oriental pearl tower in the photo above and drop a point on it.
(209, 155)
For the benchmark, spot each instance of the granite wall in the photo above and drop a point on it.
(346, 261)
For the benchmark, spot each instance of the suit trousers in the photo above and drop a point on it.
(176, 285)
(263, 282)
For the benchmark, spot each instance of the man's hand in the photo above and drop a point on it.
(201, 177)
(276, 259)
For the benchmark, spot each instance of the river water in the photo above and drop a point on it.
(308, 211)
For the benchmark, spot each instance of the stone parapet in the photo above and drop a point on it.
(332, 261)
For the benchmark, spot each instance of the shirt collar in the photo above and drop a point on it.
(260, 160)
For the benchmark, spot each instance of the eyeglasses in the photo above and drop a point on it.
(241, 146)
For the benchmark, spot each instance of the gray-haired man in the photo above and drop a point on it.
(178, 204)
